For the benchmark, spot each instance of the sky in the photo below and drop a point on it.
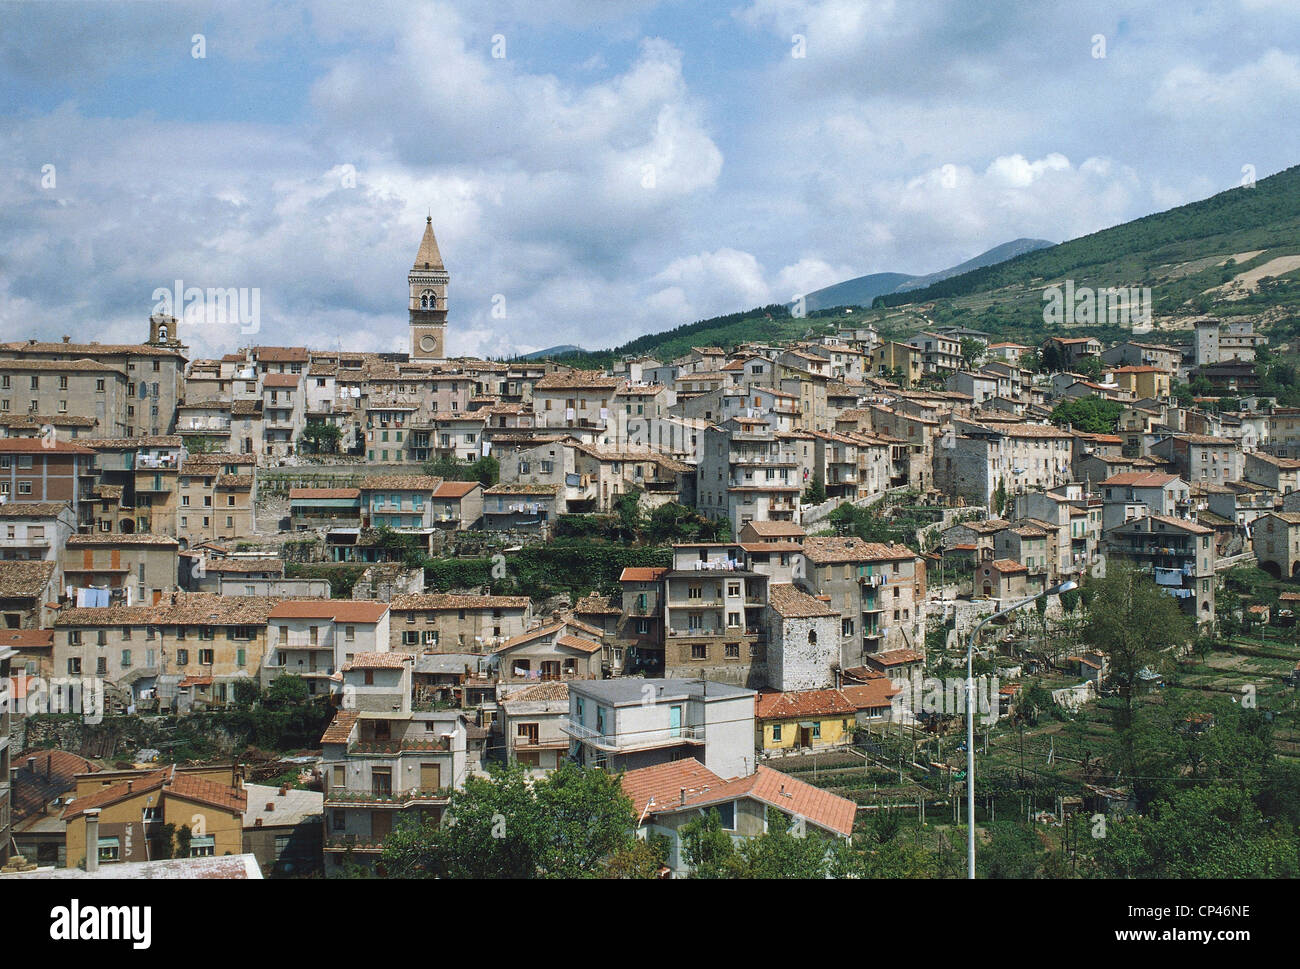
(595, 169)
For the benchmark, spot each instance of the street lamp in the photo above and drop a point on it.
(970, 712)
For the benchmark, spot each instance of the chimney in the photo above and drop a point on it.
(257, 822)
(129, 786)
(31, 764)
(284, 789)
(270, 806)
(49, 766)
(92, 840)
(683, 795)
(67, 339)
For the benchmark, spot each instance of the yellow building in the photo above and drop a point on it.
(808, 718)
(127, 811)
(892, 356)
(1143, 382)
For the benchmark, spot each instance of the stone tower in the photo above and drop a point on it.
(428, 283)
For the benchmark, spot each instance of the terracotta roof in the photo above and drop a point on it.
(244, 566)
(872, 695)
(53, 774)
(790, 603)
(775, 529)
(378, 661)
(100, 540)
(825, 550)
(793, 797)
(641, 574)
(290, 380)
(116, 792)
(597, 605)
(308, 493)
(11, 445)
(340, 610)
(401, 482)
(895, 657)
(26, 638)
(577, 642)
(455, 489)
(340, 727)
(31, 509)
(804, 703)
(184, 609)
(663, 783)
(24, 580)
(538, 693)
(1140, 479)
(1009, 566)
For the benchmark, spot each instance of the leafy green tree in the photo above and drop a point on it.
(781, 853)
(1134, 623)
(286, 690)
(643, 860)
(502, 826)
(708, 850)
(322, 437)
(815, 493)
(1206, 831)
(1013, 851)
(1091, 414)
(971, 351)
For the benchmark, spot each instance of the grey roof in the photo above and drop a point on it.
(294, 807)
(631, 689)
(447, 662)
(225, 866)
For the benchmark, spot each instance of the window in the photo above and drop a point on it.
(110, 849)
(776, 733)
(732, 650)
(126, 659)
(182, 657)
(699, 651)
(74, 665)
(203, 845)
(205, 657)
(727, 812)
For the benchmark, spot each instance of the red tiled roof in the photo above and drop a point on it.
(872, 695)
(790, 796)
(340, 610)
(663, 783)
(340, 727)
(378, 661)
(324, 493)
(804, 703)
(455, 489)
(637, 574)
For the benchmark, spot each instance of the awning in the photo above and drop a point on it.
(807, 723)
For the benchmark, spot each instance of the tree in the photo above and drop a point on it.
(780, 852)
(1134, 623)
(815, 493)
(562, 826)
(323, 437)
(1091, 414)
(1012, 852)
(971, 351)
(1000, 497)
(643, 860)
(285, 690)
(708, 850)
(1206, 831)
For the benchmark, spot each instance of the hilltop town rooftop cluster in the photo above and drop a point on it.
(168, 526)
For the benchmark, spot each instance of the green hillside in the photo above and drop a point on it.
(1189, 257)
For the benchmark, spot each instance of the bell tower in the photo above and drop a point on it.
(428, 284)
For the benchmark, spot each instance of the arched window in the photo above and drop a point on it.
(162, 334)
(428, 300)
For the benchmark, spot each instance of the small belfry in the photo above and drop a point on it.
(428, 285)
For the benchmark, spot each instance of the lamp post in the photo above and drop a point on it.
(970, 712)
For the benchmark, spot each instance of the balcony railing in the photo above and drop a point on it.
(412, 745)
(337, 796)
(636, 738)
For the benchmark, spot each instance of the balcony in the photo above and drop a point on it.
(344, 796)
(403, 745)
(640, 739)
